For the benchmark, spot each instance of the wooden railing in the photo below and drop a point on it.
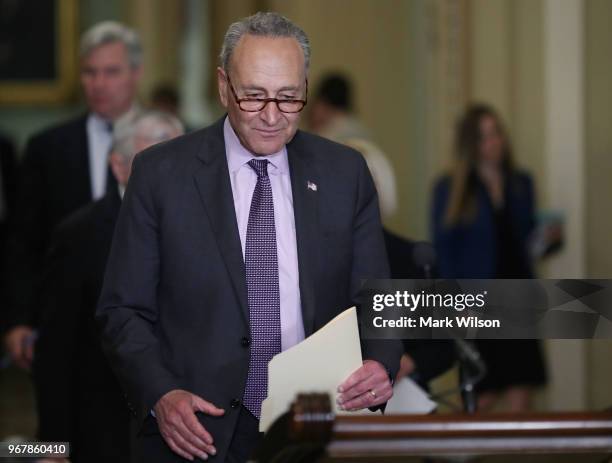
(310, 432)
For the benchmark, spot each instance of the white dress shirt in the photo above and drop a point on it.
(99, 140)
(99, 143)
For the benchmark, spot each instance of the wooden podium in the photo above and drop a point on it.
(310, 432)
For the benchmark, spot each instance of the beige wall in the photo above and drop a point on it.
(598, 131)
(598, 134)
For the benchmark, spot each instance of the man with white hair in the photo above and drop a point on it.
(64, 168)
(78, 398)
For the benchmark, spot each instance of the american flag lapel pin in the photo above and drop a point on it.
(311, 186)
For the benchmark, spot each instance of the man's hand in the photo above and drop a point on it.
(367, 387)
(19, 343)
(179, 426)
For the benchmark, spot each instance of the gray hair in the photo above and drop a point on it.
(153, 126)
(109, 32)
(264, 25)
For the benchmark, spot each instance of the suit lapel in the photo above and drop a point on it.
(213, 184)
(304, 183)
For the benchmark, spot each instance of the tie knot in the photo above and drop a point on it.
(260, 166)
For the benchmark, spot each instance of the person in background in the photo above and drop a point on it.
(332, 112)
(482, 217)
(64, 168)
(332, 115)
(78, 398)
(166, 98)
(8, 189)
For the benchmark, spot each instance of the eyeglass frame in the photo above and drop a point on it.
(265, 101)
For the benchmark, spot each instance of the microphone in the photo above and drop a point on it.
(473, 368)
(424, 256)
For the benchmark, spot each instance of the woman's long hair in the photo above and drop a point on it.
(464, 176)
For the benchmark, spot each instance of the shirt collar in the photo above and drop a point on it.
(238, 155)
(98, 123)
(103, 123)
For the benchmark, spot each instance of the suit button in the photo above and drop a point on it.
(246, 342)
(234, 403)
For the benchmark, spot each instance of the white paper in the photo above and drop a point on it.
(320, 363)
(409, 398)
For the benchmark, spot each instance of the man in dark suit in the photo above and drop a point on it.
(64, 168)
(8, 166)
(233, 243)
(78, 397)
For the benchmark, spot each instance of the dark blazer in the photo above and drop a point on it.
(173, 310)
(53, 181)
(470, 250)
(78, 397)
(8, 168)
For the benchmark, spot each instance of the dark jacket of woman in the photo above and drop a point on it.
(471, 249)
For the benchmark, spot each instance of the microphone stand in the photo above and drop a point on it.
(472, 368)
(471, 371)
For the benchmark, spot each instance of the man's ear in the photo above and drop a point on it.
(223, 87)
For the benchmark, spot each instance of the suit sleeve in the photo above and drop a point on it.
(26, 241)
(9, 177)
(127, 311)
(56, 348)
(370, 261)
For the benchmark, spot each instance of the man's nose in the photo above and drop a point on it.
(99, 80)
(271, 114)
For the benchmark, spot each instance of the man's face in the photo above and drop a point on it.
(264, 67)
(109, 81)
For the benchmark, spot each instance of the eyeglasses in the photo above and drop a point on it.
(253, 105)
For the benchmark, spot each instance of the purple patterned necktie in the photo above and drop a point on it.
(261, 262)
